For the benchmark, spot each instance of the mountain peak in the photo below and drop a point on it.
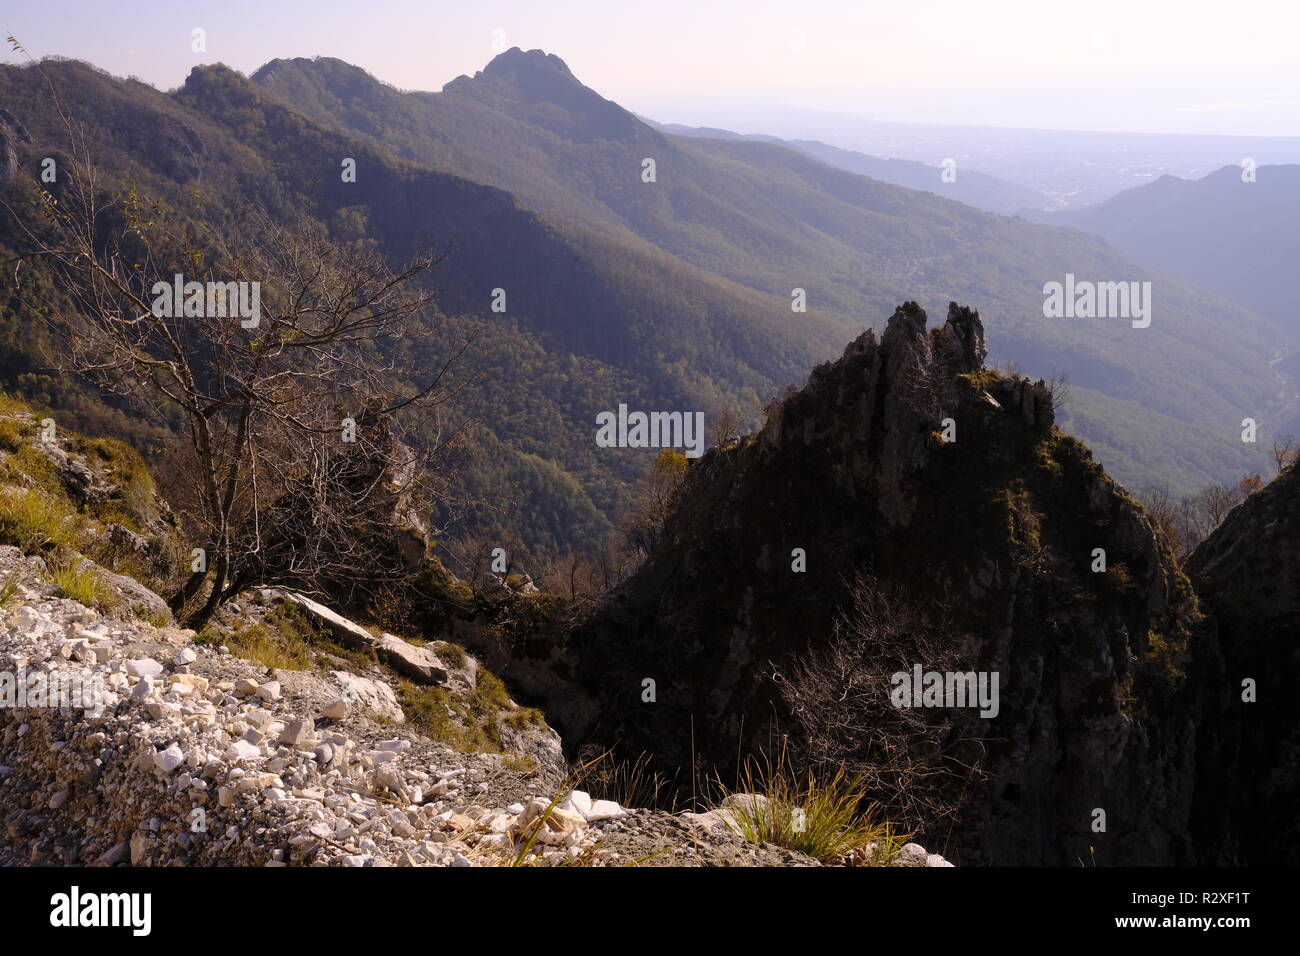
(532, 64)
(538, 88)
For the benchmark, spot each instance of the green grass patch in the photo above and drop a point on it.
(34, 521)
(267, 646)
(287, 638)
(12, 435)
(10, 586)
(78, 580)
(823, 816)
(468, 722)
(453, 654)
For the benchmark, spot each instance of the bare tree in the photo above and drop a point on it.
(839, 697)
(1285, 452)
(1212, 504)
(1059, 387)
(725, 426)
(287, 403)
(1169, 515)
(1250, 484)
(471, 554)
(569, 575)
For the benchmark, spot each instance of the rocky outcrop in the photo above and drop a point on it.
(908, 464)
(1247, 574)
(101, 492)
(12, 132)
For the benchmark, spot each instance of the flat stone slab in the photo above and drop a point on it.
(418, 663)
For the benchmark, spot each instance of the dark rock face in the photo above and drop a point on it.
(996, 530)
(11, 133)
(1247, 575)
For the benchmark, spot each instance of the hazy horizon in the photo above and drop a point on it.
(1188, 70)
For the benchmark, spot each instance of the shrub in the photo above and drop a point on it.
(453, 654)
(286, 638)
(839, 694)
(471, 722)
(210, 637)
(826, 818)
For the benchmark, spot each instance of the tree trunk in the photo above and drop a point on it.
(218, 592)
(193, 584)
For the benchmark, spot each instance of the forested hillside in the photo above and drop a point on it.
(587, 324)
(672, 294)
(774, 220)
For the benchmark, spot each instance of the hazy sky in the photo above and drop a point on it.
(1196, 66)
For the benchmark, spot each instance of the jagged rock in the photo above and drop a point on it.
(124, 539)
(118, 853)
(552, 825)
(243, 750)
(578, 801)
(141, 845)
(134, 594)
(1097, 707)
(169, 759)
(296, 733)
(603, 810)
(748, 803)
(961, 339)
(912, 854)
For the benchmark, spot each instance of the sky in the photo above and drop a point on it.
(1191, 66)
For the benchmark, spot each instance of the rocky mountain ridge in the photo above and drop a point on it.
(993, 539)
